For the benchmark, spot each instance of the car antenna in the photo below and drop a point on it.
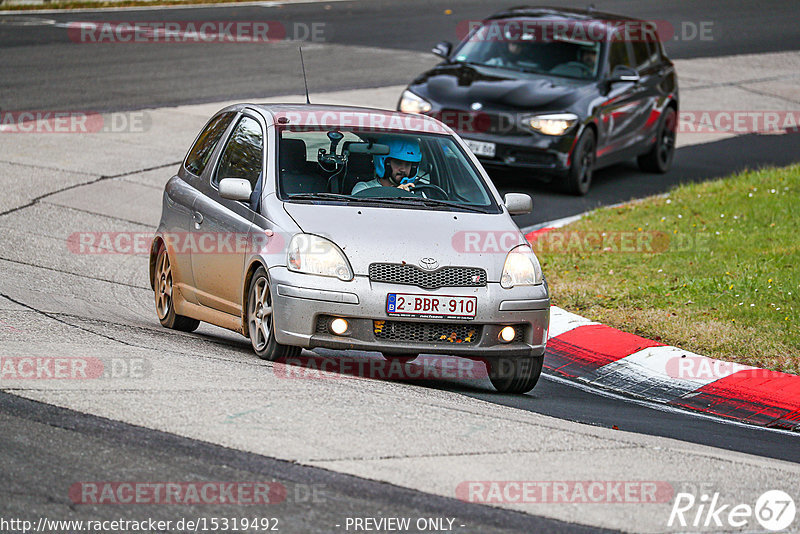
(305, 81)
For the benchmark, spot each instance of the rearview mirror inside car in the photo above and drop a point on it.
(368, 148)
(235, 189)
(518, 203)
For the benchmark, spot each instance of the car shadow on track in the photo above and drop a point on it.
(624, 181)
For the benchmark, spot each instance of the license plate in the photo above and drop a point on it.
(481, 148)
(431, 306)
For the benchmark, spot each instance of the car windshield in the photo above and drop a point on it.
(340, 164)
(533, 47)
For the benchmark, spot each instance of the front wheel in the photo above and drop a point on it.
(579, 176)
(515, 375)
(261, 323)
(165, 305)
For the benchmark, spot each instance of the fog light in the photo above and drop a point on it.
(507, 334)
(339, 326)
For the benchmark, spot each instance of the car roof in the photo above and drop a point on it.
(379, 118)
(558, 12)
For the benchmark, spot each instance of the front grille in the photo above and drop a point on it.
(407, 274)
(446, 333)
(479, 122)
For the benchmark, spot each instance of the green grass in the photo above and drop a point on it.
(713, 268)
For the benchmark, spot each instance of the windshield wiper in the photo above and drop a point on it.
(428, 202)
(322, 196)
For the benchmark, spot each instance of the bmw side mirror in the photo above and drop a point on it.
(235, 189)
(623, 73)
(518, 203)
(443, 49)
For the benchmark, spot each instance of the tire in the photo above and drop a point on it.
(515, 375)
(261, 321)
(659, 158)
(165, 309)
(579, 176)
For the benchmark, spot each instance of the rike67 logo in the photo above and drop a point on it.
(774, 510)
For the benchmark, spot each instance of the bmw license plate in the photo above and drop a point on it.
(431, 306)
(481, 148)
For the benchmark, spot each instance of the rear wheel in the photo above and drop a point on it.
(659, 158)
(579, 177)
(261, 323)
(515, 375)
(165, 306)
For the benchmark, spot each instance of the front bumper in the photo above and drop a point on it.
(528, 151)
(304, 305)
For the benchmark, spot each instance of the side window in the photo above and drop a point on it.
(242, 157)
(198, 156)
(618, 54)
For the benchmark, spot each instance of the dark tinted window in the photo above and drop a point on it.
(618, 54)
(641, 54)
(242, 157)
(201, 151)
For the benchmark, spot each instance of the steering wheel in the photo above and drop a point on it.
(441, 193)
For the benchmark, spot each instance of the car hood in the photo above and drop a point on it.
(390, 235)
(459, 85)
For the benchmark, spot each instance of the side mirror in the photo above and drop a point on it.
(443, 49)
(518, 203)
(622, 73)
(235, 189)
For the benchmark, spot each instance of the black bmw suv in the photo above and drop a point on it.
(558, 92)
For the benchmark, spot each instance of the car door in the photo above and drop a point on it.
(623, 113)
(225, 225)
(181, 193)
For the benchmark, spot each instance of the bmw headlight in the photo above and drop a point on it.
(312, 254)
(551, 124)
(411, 103)
(521, 268)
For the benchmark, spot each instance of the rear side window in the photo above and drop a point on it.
(201, 151)
(242, 157)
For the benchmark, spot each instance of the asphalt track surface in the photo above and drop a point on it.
(42, 69)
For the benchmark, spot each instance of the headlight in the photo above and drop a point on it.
(553, 124)
(312, 254)
(521, 268)
(411, 103)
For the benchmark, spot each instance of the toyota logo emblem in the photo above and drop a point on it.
(428, 263)
(476, 106)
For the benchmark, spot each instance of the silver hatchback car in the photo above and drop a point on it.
(304, 226)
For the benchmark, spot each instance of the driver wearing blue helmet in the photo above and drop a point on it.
(398, 168)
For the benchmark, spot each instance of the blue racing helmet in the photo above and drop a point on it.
(399, 148)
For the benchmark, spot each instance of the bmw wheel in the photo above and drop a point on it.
(165, 308)
(261, 322)
(659, 158)
(579, 176)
